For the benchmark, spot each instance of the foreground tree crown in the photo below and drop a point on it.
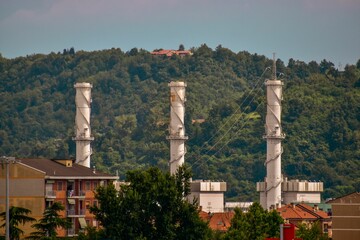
(151, 205)
(17, 216)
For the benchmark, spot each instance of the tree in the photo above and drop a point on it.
(181, 47)
(50, 221)
(72, 51)
(239, 226)
(91, 233)
(311, 231)
(257, 223)
(151, 206)
(17, 215)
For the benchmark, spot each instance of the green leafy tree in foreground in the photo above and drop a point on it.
(50, 221)
(91, 233)
(151, 206)
(257, 223)
(311, 232)
(17, 216)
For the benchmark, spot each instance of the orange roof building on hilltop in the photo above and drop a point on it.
(170, 53)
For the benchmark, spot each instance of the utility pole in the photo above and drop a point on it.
(7, 161)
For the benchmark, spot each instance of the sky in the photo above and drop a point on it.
(304, 30)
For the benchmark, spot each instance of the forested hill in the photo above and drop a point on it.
(130, 114)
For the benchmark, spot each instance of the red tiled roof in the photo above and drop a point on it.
(316, 212)
(169, 53)
(301, 211)
(292, 211)
(218, 221)
(55, 169)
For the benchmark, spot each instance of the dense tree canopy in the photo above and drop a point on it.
(51, 221)
(18, 216)
(151, 206)
(130, 114)
(256, 224)
(311, 231)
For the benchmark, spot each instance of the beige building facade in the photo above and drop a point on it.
(37, 183)
(346, 217)
(209, 195)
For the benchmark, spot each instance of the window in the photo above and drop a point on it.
(94, 223)
(95, 184)
(95, 203)
(48, 203)
(87, 185)
(87, 204)
(59, 186)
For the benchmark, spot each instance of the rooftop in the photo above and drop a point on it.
(301, 211)
(170, 52)
(55, 169)
(346, 199)
(218, 221)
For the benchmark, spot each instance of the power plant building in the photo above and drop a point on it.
(209, 194)
(275, 190)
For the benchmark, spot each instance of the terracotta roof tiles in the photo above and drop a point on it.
(220, 221)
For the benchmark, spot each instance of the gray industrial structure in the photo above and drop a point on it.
(83, 136)
(177, 127)
(210, 195)
(276, 190)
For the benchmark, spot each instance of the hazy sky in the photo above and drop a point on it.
(301, 29)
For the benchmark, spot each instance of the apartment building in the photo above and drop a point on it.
(346, 217)
(37, 183)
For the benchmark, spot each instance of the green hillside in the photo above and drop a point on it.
(130, 114)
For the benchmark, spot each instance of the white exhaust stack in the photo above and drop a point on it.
(273, 136)
(83, 136)
(177, 128)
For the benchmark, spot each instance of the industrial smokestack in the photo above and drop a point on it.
(177, 128)
(273, 136)
(83, 136)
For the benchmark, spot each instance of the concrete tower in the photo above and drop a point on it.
(177, 128)
(83, 136)
(276, 189)
(273, 136)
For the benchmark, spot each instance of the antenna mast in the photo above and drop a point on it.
(274, 66)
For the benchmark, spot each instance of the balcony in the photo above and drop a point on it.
(73, 194)
(72, 213)
(71, 232)
(50, 194)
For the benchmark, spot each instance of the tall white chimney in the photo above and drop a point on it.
(83, 136)
(177, 128)
(273, 136)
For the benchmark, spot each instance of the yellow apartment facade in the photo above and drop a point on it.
(37, 183)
